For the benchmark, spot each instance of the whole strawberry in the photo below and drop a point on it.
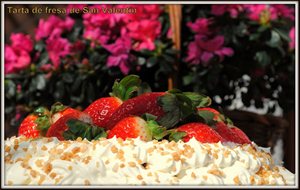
(36, 124)
(201, 132)
(169, 107)
(60, 126)
(102, 109)
(134, 126)
(59, 110)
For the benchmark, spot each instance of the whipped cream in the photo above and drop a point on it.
(48, 161)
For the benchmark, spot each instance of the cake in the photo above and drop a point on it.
(137, 138)
(48, 161)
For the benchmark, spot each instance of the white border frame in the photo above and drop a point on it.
(296, 3)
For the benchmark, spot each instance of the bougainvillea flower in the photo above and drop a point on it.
(21, 41)
(292, 37)
(284, 11)
(15, 59)
(144, 33)
(148, 12)
(202, 50)
(119, 54)
(261, 13)
(232, 9)
(53, 27)
(57, 48)
(200, 26)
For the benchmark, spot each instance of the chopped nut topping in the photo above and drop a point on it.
(87, 182)
(236, 180)
(131, 164)
(139, 177)
(114, 149)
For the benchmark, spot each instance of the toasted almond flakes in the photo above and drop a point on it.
(131, 164)
(236, 180)
(44, 148)
(9, 182)
(87, 182)
(70, 167)
(139, 177)
(114, 149)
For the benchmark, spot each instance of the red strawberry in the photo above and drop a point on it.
(202, 132)
(244, 139)
(57, 128)
(145, 103)
(227, 133)
(102, 109)
(59, 110)
(209, 109)
(35, 124)
(169, 107)
(134, 126)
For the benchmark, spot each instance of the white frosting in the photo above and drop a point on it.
(48, 161)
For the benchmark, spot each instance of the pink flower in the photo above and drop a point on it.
(292, 37)
(57, 48)
(233, 9)
(284, 11)
(202, 50)
(21, 41)
(120, 54)
(261, 13)
(200, 26)
(149, 12)
(16, 59)
(53, 27)
(144, 33)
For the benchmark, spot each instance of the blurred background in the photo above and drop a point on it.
(241, 55)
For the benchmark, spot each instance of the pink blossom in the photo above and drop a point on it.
(119, 54)
(200, 26)
(16, 59)
(144, 33)
(53, 27)
(149, 12)
(284, 11)
(261, 13)
(57, 48)
(292, 37)
(100, 27)
(233, 9)
(202, 50)
(21, 41)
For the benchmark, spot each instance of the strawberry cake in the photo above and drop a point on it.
(136, 137)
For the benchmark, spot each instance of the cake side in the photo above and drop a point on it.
(48, 161)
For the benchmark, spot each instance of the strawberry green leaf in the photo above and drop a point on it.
(171, 108)
(43, 123)
(156, 131)
(77, 128)
(199, 100)
(41, 111)
(144, 87)
(57, 107)
(176, 135)
(207, 116)
(126, 88)
(148, 117)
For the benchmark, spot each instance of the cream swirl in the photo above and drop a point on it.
(48, 161)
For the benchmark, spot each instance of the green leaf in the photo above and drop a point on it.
(77, 128)
(144, 87)
(207, 116)
(156, 131)
(126, 88)
(263, 58)
(176, 135)
(41, 82)
(57, 107)
(199, 100)
(275, 40)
